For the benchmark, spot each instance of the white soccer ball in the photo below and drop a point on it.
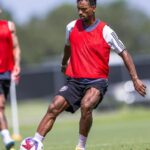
(31, 144)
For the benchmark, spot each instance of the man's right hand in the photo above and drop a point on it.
(63, 68)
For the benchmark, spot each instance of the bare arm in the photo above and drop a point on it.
(66, 57)
(16, 52)
(138, 84)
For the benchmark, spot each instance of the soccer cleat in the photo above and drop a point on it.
(10, 145)
(79, 148)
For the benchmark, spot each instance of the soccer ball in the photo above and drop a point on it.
(31, 144)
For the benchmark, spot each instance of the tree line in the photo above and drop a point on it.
(43, 38)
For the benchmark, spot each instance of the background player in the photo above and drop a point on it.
(9, 70)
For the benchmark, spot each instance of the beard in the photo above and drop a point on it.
(84, 18)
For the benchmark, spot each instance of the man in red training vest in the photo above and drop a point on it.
(85, 62)
(9, 70)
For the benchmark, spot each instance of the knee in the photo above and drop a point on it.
(86, 109)
(2, 109)
(52, 111)
(2, 104)
(58, 105)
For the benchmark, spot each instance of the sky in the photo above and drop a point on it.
(23, 10)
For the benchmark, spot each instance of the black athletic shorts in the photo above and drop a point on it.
(4, 87)
(74, 90)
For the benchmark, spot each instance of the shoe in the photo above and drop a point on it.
(10, 145)
(79, 148)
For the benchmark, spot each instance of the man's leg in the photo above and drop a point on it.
(3, 125)
(58, 105)
(89, 101)
(3, 122)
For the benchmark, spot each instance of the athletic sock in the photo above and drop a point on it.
(82, 141)
(6, 136)
(38, 137)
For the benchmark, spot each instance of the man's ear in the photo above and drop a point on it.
(94, 8)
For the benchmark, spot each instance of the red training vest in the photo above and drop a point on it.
(89, 52)
(6, 48)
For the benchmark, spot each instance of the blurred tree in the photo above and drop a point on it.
(43, 38)
(5, 15)
(132, 26)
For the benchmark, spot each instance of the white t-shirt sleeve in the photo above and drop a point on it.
(113, 40)
(69, 28)
(10, 25)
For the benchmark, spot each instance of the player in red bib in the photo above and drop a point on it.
(9, 70)
(85, 62)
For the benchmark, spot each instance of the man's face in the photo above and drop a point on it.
(85, 11)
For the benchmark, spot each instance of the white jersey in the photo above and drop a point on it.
(108, 34)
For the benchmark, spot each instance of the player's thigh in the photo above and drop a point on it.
(91, 98)
(2, 96)
(58, 104)
(2, 101)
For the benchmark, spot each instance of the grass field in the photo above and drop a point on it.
(125, 129)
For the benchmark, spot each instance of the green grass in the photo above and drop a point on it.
(125, 129)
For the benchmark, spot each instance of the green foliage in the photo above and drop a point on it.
(41, 39)
(131, 26)
(5, 15)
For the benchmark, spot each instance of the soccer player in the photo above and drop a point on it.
(9, 70)
(85, 63)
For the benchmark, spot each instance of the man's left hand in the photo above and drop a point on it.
(140, 87)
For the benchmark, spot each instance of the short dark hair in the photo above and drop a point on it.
(92, 2)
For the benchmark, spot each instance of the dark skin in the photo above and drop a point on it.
(86, 12)
(138, 84)
(92, 95)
